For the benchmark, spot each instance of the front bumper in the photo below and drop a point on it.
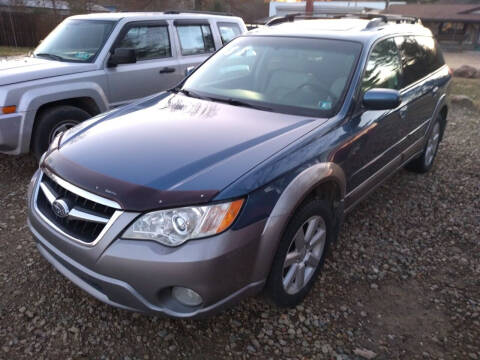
(139, 275)
(10, 131)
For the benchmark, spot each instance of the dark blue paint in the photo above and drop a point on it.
(173, 150)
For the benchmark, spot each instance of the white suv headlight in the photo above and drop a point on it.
(173, 227)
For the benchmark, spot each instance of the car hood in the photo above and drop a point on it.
(29, 68)
(171, 150)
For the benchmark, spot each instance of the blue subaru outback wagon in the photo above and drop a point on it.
(237, 180)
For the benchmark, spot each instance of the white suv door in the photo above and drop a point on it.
(157, 67)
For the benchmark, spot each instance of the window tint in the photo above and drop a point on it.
(431, 57)
(411, 59)
(149, 42)
(228, 31)
(420, 56)
(195, 39)
(383, 68)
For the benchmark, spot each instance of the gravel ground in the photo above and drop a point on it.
(403, 282)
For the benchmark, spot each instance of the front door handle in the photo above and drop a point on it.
(167, 70)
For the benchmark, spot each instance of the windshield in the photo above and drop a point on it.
(75, 40)
(283, 74)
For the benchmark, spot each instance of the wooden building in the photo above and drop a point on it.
(456, 26)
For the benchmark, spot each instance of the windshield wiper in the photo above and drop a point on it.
(189, 93)
(50, 56)
(236, 102)
(229, 101)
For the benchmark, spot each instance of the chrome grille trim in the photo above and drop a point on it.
(81, 193)
(77, 213)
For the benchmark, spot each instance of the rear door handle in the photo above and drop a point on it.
(167, 70)
(435, 90)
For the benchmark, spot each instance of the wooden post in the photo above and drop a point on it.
(309, 7)
(13, 28)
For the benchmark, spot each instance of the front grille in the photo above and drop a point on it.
(81, 230)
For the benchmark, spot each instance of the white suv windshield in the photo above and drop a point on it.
(283, 74)
(75, 40)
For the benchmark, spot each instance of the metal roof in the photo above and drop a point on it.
(145, 15)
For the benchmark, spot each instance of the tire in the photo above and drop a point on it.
(284, 285)
(51, 122)
(425, 161)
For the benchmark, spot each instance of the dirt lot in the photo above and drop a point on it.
(13, 51)
(459, 58)
(403, 282)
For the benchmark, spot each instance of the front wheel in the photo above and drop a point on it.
(424, 163)
(301, 253)
(52, 122)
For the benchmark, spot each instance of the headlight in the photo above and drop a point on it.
(175, 226)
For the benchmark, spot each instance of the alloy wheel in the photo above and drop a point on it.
(304, 254)
(61, 127)
(432, 144)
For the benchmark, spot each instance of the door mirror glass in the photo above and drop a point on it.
(122, 56)
(381, 99)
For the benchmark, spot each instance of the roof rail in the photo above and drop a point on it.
(175, 12)
(381, 19)
(376, 19)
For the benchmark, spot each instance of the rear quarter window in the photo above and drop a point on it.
(228, 31)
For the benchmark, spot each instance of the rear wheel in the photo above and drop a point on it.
(52, 122)
(425, 162)
(301, 253)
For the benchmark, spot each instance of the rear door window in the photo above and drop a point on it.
(413, 59)
(228, 31)
(149, 42)
(384, 68)
(431, 57)
(195, 39)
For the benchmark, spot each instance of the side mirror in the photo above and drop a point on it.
(381, 99)
(189, 70)
(122, 56)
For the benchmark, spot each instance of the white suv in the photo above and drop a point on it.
(91, 63)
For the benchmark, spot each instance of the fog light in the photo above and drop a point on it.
(186, 296)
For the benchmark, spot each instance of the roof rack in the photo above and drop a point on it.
(175, 12)
(376, 19)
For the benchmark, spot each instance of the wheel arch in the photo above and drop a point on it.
(322, 180)
(443, 118)
(85, 103)
(88, 97)
(441, 109)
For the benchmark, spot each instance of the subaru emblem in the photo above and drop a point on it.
(60, 208)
